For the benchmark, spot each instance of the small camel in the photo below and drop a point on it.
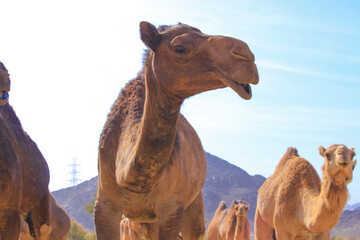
(59, 220)
(294, 204)
(130, 230)
(151, 163)
(230, 223)
(24, 173)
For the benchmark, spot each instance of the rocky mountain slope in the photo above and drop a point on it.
(224, 181)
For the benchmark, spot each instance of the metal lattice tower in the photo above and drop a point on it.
(74, 180)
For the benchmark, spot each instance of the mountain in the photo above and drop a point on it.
(228, 182)
(352, 207)
(224, 181)
(349, 224)
(73, 200)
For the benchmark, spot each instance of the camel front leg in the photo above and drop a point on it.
(107, 219)
(9, 225)
(193, 227)
(261, 229)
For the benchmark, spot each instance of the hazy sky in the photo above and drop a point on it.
(69, 59)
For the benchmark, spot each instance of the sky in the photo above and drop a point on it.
(68, 61)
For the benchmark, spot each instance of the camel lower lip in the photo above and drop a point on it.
(243, 90)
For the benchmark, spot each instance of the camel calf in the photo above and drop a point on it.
(296, 203)
(130, 230)
(230, 224)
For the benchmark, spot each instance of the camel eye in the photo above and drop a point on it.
(179, 49)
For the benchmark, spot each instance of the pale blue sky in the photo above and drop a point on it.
(69, 59)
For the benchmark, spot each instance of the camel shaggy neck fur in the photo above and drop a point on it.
(151, 162)
(296, 203)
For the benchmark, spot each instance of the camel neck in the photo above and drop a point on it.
(158, 127)
(326, 207)
(239, 229)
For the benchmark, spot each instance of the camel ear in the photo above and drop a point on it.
(352, 149)
(354, 164)
(322, 151)
(149, 35)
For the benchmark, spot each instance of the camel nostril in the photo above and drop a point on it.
(242, 53)
(239, 56)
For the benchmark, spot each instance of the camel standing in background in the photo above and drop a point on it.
(130, 230)
(296, 204)
(230, 223)
(24, 174)
(59, 220)
(151, 163)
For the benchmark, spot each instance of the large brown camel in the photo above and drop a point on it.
(59, 220)
(295, 204)
(24, 174)
(230, 223)
(151, 163)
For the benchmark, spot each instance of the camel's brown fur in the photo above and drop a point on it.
(296, 204)
(230, 223)
(151, 162)
(60, 223)
(24, 175)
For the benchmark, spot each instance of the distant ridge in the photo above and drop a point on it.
(352, 207)
(224, 181)
(73, 200)
(349, 224)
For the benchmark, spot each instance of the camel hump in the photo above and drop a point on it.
(222, 205)
(289, 154)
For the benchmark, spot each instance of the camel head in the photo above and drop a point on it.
(186, 61)
(241, 208)
(4, 84)
(339, 163)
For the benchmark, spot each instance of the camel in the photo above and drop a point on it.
(294, 203)
(130, 230)
(59, 220)
(24, 174)
(230, 223)
(151, 162)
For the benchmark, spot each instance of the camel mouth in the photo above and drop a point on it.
(342, 164)
(242, 89)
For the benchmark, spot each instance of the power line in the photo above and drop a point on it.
(74, 180)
